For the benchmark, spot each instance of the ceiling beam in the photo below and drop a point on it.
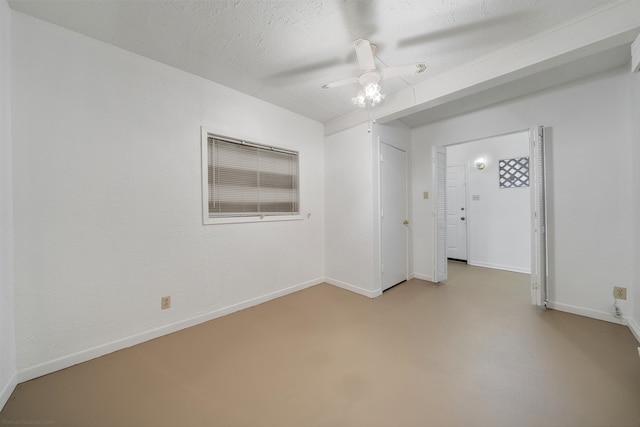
(602, 29)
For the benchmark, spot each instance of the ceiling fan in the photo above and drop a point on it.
(370, 93)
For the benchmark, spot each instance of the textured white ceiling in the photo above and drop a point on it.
(284, 51)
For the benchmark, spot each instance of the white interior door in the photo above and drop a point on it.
(394, 222)
(439, 157)
(457, 212)
(538, 217)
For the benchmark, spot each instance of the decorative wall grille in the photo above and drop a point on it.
(514, 172)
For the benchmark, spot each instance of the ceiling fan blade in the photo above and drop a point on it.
(404, 70)
(341, 83)
(364, 54)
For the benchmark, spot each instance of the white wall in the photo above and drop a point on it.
(349, 218)
(635, 81)
(8, 377)
(352, 228)
(107, 198)
(499, 222)
(589, 184)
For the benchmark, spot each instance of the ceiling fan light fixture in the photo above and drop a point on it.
(370, 95)
(359, 99)
(372, 90)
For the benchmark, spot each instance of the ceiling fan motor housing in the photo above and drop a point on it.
(369, 77)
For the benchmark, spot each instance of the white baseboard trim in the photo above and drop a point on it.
(7, 389)
(63, 362)
(353, 288)
(587, 312)
(500, 267)
(635, 328)
(423, 277)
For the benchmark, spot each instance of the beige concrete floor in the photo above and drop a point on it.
(469, 352)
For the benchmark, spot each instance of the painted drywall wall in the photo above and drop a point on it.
(498, 220)
(635, 318)
(107, 198)
(349, 219)
(352, 229)
(8, 375)
(589, 190)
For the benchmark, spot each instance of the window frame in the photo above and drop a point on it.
(205, 133)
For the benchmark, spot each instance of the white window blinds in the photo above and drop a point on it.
(247, 179)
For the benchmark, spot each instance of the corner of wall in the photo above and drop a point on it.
(634, 321)
(7, 389)
(8, 373)
(635, 328)
(353, 288)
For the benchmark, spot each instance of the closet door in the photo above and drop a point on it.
(394, 222)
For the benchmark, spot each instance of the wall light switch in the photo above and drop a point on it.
(425, 195)
(475, 197)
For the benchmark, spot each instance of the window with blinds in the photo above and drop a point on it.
(250, 180)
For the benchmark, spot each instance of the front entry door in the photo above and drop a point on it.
(457, 212)
(393, 216)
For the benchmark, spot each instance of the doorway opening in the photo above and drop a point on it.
(499, 185)
(488, 202)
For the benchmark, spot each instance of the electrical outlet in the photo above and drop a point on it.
(165, 303)
(619, 292)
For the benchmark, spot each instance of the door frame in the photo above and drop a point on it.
(538, 227)
(406, 210)
(539, 250)
(439, 183)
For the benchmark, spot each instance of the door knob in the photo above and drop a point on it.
(462, 218)
(405, 222)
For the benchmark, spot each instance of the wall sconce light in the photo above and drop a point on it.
(480, 163)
